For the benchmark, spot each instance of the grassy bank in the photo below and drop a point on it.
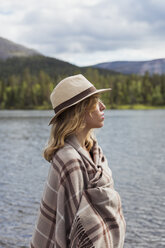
(120, 107)
(138, 107)
(135, 107)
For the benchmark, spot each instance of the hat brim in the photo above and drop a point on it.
(93, 93)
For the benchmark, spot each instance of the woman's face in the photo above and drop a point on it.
(95, 119)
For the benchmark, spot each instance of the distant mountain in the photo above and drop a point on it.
(9, 49)
(156, 66)
(14, 58)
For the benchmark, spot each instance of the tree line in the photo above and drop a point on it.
(32, 91)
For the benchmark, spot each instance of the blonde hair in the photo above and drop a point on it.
(70, 122)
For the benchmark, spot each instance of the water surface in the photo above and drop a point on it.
(134, 143)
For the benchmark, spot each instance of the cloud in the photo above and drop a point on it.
(75, 28)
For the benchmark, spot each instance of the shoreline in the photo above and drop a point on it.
(119, 107)
(138, 107)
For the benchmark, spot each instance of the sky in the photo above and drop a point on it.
(87, 32)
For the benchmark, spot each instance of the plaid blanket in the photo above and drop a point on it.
(79, 206)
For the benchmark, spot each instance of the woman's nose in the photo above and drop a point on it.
(102, 106)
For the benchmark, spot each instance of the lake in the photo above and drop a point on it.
(132, 140)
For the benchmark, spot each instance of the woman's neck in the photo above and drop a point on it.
(81, 136)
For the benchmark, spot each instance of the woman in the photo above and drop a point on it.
(79, 207)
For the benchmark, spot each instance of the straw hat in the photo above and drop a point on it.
(71, 91)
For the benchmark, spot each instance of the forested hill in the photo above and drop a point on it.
(27, 81)
(35, 64)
